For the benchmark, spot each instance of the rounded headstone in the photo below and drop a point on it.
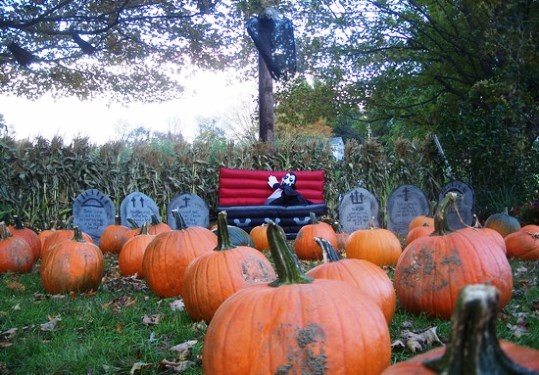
(192, 208)
(93, 211)
(358, 209)
(405, 203)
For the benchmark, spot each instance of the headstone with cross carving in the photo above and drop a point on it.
(463, 215)
(192, 208)
(138, 207)
(92, 212)
(405, 203)
(358, 209)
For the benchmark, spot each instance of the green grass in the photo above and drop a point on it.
(104, 333)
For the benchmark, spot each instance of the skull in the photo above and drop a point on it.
(289, 179)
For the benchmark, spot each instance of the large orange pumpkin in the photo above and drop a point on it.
(305, 246)
(296, 325)
(132, 253)
(432, 270)
(524, 243)
(377, 245)
(169, 254)
(59, 236)
(473, 347)
(365, 275)
(213, 277)
(74, 265)
(15, 253)
(18, 229)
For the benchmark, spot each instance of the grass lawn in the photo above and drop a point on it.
(124, 328)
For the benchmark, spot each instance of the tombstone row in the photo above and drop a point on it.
(93, 211)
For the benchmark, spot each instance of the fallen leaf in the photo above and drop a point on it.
(151, 320)
(17, 307)
(179, 366)
(184, 349)
(177, 305)
(420, 341)
(15, 285)
(51, 324)
(139, 366)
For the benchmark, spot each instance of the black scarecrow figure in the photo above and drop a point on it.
(273, 36)
(284, 192)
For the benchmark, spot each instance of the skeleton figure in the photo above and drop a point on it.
(285, 193)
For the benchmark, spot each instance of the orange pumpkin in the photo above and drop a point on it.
(419, 221)
(305, 245)
(420, 231)
(377, 245)
(59, 236)
(213, 277)
(473, 347)
(169, 253)
(132, 253)
(157, 226)
(113, 238)
(432, 270)
(365, 275)
(27, 234)
(15, 253)
(524, 243)
(73, 265)
(296, 325)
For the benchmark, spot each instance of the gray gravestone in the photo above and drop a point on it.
(465, 204)
(194, 211)
(92, 212)
(405, 203)
(357, 210)
(139, 207)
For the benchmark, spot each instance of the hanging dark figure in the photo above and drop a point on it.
(273, 36)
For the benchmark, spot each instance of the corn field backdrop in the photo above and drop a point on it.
(40, 178)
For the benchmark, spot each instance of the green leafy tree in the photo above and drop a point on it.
(127, 49)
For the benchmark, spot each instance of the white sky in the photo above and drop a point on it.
(206, 95)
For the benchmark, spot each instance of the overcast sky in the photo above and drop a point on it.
(207, 95)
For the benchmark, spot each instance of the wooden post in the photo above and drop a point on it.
(265, 103)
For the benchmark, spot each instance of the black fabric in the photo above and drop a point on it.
(273, 36)
(289, 197)
(291, 219)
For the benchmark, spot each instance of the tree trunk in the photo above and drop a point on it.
(265, 93)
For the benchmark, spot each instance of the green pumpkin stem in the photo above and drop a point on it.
(312, 218)
(473, 347)
(223, 236)
(286, 263)
(77, 235)
(327, 249)
(155, 220)
(441, 226)
(180, 223)
(143, 229)
(132, 222)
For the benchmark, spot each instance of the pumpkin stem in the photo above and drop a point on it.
(155, 220)
(77, 236)
(312, 218)
(143, 229)
(132, 222)
(4, 231)
(473, 347)
(180, 223)
(441, 227)
(18, 222)
(286, 263)
(327, 249)
(223, 237)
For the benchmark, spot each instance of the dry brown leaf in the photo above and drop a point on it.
(517, 330)
(51, 324)
(397, 345)
(184, 349)
(179, 366)
(420, 341)
(137, 366)
(17, 307)
(151, 320)
(15, 285)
